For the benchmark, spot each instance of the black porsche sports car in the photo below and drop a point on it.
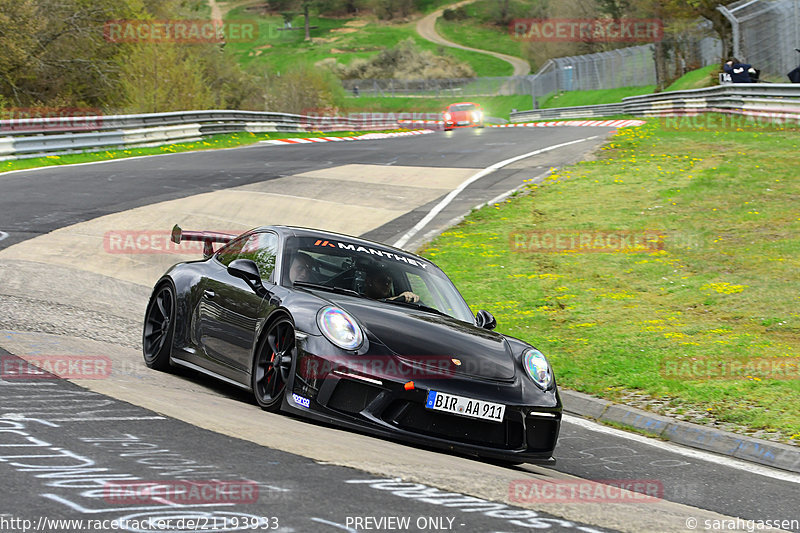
(354, 333)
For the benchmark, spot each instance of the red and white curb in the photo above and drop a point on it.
(420, 121)
(602, 123)
(365, 137)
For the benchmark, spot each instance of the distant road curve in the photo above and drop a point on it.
(426, 28)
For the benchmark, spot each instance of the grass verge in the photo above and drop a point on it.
(683, 325)
(600, 96)
(696, 79)
(210, 143)
(475, 35)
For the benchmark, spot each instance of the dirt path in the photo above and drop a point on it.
(216, 12)
(426, 27)
(219, 10)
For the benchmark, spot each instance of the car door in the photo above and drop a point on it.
(230, 309)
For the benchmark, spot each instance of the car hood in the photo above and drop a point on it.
(440, 343)
(461, 115)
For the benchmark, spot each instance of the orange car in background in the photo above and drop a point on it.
(462, 114)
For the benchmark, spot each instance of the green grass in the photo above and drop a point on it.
(470, 33)
(342, 39)
(210, 143)
(600, 96)
(428, 6)
(723, 288)
(696, 79)
(493, 106)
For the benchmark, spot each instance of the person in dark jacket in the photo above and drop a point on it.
(794, 76)
(739, 72)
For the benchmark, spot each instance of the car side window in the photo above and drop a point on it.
(262, 248)
(231, 251)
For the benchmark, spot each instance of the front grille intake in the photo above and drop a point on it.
(416, 418)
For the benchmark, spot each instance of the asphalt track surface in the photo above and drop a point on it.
(296, 484)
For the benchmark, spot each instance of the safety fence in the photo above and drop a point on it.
(766, 34)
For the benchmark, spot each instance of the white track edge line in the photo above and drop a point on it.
(488, 170)
(730, 462)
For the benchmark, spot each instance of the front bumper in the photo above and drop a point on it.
(380, 405)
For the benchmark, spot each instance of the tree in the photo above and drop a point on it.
(709, 10)
(159, 77)
(303, 90)
(504, 18)
(678, 15)
(306, 7)
(616, 9)
(57, 50)
(19, 24)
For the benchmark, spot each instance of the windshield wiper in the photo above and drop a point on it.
(338, 290)
(415, 305)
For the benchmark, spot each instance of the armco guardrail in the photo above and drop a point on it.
(584, 111)
(34, 137)
(774, 100)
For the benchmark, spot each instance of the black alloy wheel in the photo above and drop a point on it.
(273, 364)
(159, 328)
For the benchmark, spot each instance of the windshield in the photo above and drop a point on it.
(370, 271)
(463, 107)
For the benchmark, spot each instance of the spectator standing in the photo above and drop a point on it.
(740, 72)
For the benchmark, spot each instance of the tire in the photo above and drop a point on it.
(272, 364)
(159, 328)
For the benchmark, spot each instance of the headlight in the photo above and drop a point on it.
(538, 368)
(339, 328)
(448, 116)
(476, 116)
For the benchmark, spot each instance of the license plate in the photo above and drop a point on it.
(458, 405)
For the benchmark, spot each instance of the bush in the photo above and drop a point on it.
(304, 90)
(404, 61)
(389, 9)
(455, 14)
(161, 77)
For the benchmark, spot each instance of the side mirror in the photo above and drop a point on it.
(485, 320)
(247, 270)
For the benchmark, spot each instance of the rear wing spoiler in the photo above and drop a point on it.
(208, 238)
